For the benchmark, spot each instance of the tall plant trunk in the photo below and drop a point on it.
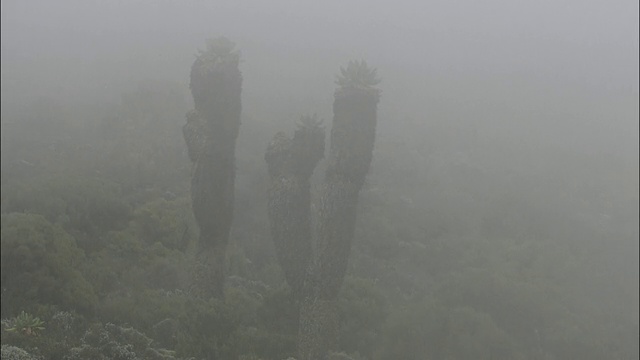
(291, 163)
(352, 140)
(212, 196)
(209, 272)
(318, 328)
(210, 133)
(315, 260)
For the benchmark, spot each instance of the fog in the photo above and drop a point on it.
(497, 120)
(528, 66)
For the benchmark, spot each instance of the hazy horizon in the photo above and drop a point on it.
(507, 66)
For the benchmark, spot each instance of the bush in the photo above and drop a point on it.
(41, 264)
(61, 331)
(165, 222)
(84, 206)
(15, 353)
(107, 342)
(363, 310)
(428, 329)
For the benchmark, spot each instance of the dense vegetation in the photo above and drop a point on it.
(459, 252)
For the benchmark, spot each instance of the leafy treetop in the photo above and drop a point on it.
(309, 122)
(357, 74)
(218, 50)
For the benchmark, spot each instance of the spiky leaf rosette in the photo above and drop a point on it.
(26, 323)
(358, 75)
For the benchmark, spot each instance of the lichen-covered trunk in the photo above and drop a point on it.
(210, 133)
(318, 328)
(209, 271)
(212, 196)
(291, 163)
(333, 238)
(288, 209)
(352, 140)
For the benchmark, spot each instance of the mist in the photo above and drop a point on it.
(506, 147)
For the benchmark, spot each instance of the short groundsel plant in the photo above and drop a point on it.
(25, 323)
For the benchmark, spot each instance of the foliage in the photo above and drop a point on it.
(138, 143)
(218, 50)
(195, 327)
(357, 74)
(41, 264)
(63, 331)
(88, 206)
(127, 261)
(309, 122)
(112, 342)
(15, 353)
(363, 309)
(166, 222)
(278, 312)
(429, 328)
(25, 323)
(344, 356)
(66, 325)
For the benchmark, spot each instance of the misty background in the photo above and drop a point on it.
(513, 68)
(498, 120)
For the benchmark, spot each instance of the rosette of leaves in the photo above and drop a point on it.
(217, 51)
(309, 122)
(216, 82)
(357, 74)
(26, 324)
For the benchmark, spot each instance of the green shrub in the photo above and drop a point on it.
(429, 329)
(81, 205)
(41, 264)
(63, 330)
(112, 342)
(166, 222)
(15, 353)
(25, 323)
(363, 310)
(278, 312)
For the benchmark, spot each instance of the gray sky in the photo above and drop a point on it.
(516, 66)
